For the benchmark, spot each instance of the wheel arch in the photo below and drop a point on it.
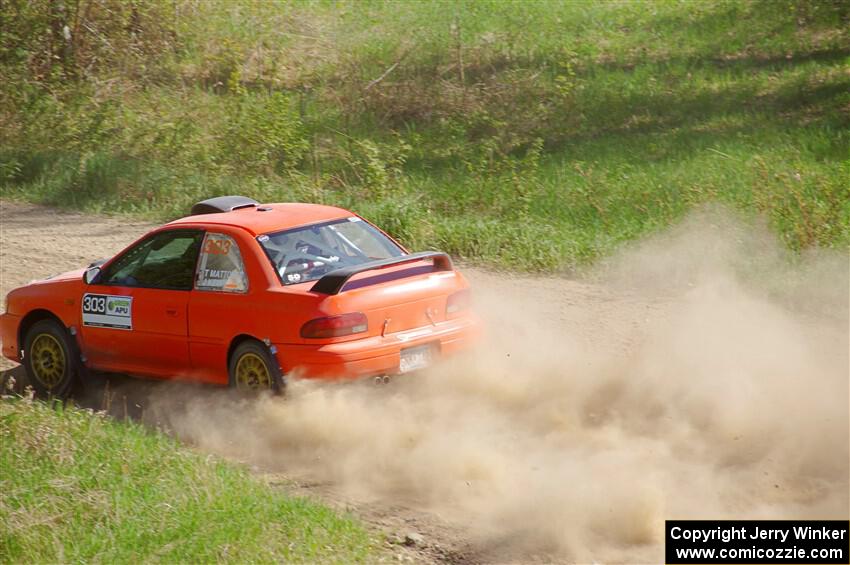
(31, 318)
(236, 341)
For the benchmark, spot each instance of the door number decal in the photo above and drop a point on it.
(108, 311)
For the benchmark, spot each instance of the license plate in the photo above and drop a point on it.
(415, 358)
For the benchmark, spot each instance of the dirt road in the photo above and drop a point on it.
(696, 375)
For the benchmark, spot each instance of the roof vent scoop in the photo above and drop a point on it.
(223, 204)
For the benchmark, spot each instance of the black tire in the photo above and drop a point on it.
(246, 365)
(49, 359)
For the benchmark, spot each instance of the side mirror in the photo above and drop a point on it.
(91, 275)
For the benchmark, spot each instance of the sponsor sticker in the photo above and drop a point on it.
(108, 311)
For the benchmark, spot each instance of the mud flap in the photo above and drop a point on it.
(83, 373)
(277, 372)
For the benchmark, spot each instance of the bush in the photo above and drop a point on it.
(263, 134)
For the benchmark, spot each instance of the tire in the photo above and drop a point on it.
(49, 359)
(252, 368)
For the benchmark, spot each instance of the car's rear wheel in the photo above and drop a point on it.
(253, 369)
(49, 360)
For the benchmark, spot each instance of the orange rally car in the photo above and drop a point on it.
(244, 294)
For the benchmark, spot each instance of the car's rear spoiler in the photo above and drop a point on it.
(333, 282)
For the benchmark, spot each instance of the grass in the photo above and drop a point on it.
(535, 136)
(79, 487)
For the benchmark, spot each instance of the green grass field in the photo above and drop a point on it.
(532, 135)
(79, 487)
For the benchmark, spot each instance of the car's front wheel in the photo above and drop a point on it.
(253, 369)
(49, 360)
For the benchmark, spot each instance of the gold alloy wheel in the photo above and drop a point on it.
(47, 360)
(252, 373)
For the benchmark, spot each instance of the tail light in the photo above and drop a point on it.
(460, 300)
(335, 326)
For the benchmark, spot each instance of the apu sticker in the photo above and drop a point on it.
(108, 311)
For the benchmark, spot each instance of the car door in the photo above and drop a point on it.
(135, 315)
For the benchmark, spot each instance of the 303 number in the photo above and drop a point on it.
(217, 246)
(94, 304)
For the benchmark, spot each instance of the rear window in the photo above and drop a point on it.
(308, 253)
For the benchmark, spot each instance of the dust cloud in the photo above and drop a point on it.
(702, 373)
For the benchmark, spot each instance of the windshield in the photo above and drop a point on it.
(308, 253)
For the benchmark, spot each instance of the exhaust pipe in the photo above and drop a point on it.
(382, 380)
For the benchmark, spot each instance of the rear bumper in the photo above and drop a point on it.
(377, 355)
(9, 336)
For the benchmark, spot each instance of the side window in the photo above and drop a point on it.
(221, 267)
(165, 260)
